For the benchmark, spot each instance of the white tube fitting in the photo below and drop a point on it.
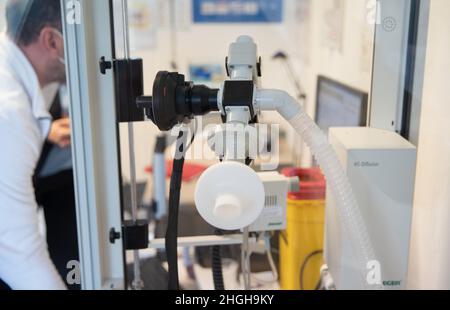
(235, 142)
(242, 59)
(228, 207)
(238, 115)
(327, 279)
(230, 196)
(241, 73)
(277, 100)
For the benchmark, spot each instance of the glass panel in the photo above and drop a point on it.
(35, 131)
(325, 54)
(320, 52)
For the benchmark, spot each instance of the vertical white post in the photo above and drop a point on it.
(95, 143)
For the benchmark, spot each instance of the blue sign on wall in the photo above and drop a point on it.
(237, 11)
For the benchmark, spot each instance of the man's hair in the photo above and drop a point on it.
(26, 18)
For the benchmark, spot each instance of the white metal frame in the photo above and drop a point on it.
(95, 145)
(389, 66)
(202, 241)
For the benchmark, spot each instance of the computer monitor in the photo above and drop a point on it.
(339, 105)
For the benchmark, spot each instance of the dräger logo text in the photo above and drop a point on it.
(392, 283)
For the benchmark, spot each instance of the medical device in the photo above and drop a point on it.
(381, 168)
(231, 195)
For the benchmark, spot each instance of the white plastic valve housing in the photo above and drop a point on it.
(242, 59)
(230, 196)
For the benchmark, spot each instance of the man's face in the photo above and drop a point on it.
(53, 43)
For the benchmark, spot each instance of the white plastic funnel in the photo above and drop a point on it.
(230, 196)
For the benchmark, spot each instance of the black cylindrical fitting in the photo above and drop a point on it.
(174, 100)
(202, 100)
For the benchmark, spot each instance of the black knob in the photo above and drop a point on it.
(104, 65)
(114, 235)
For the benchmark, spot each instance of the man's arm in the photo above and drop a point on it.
(60, 132)
(24, 259)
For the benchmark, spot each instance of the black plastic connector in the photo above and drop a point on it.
(129, 85)
(135, 235)
(239, 94)
(174, 100)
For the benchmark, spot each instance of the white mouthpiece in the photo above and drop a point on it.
(228, 207)
(230, 196)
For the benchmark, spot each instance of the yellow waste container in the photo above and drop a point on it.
(301, 245)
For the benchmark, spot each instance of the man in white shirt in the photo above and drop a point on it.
(54, 188)
(31, 57)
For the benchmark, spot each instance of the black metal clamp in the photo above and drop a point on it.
(134, 234)
(129, 85)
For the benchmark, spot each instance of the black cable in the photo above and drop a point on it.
(217, 271)
(174, 205)
(319, 285)
(303, 267)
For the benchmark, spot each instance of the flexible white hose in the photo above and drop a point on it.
(347, 209)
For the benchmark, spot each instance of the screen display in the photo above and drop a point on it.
(339, 105)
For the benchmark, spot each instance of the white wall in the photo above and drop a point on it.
(209, 44)
(430, 248)
(352, 65)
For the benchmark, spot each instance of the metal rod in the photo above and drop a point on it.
(137, 283)
(133, 182)
(293, 77)
(126, 32)
(173, 35)
(245, 257)
(202, 241)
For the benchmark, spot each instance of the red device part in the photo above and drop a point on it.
(190, 171)
(312, 184)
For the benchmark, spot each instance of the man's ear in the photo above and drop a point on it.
(50, 41)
